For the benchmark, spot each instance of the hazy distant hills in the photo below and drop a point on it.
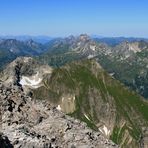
(45, 39)
(12, 48)
(113, 41)
(40, 39)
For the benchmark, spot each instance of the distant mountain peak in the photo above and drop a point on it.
(84, 37)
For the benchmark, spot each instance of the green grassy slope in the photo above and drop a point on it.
(99, 96)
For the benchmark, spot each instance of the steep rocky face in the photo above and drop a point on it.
(129, 64)
(127, 49)
(85, 91)
(70, 47)
(25, 71)
(31, 123)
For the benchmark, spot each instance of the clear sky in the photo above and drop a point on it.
(65, 17)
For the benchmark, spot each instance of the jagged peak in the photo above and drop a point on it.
(84, 37)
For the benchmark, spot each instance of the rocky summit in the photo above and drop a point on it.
(28, 123)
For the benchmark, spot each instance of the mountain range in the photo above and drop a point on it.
(12, 48)
(103, 85)
(126, 61)
(40, 39)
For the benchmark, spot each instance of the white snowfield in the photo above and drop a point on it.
(92, 47)
(32, 81)
(90, 56)
(35, 80)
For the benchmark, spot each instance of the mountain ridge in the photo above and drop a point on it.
(93, 96)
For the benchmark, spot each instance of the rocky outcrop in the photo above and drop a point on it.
(25, 72)
(28, 123)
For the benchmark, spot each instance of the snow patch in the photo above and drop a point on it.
(111, 74)
(11, 50)
(92, 47)
(127, 56)
(104, 130)
(59, 108)
(86, 117)
(90, 56)
(33, 81)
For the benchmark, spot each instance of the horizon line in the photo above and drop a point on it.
(63, 36)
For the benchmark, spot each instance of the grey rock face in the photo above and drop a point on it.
(27, 123)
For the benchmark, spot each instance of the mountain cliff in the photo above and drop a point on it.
(128, 63)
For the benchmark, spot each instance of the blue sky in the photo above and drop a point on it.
(65, 17)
